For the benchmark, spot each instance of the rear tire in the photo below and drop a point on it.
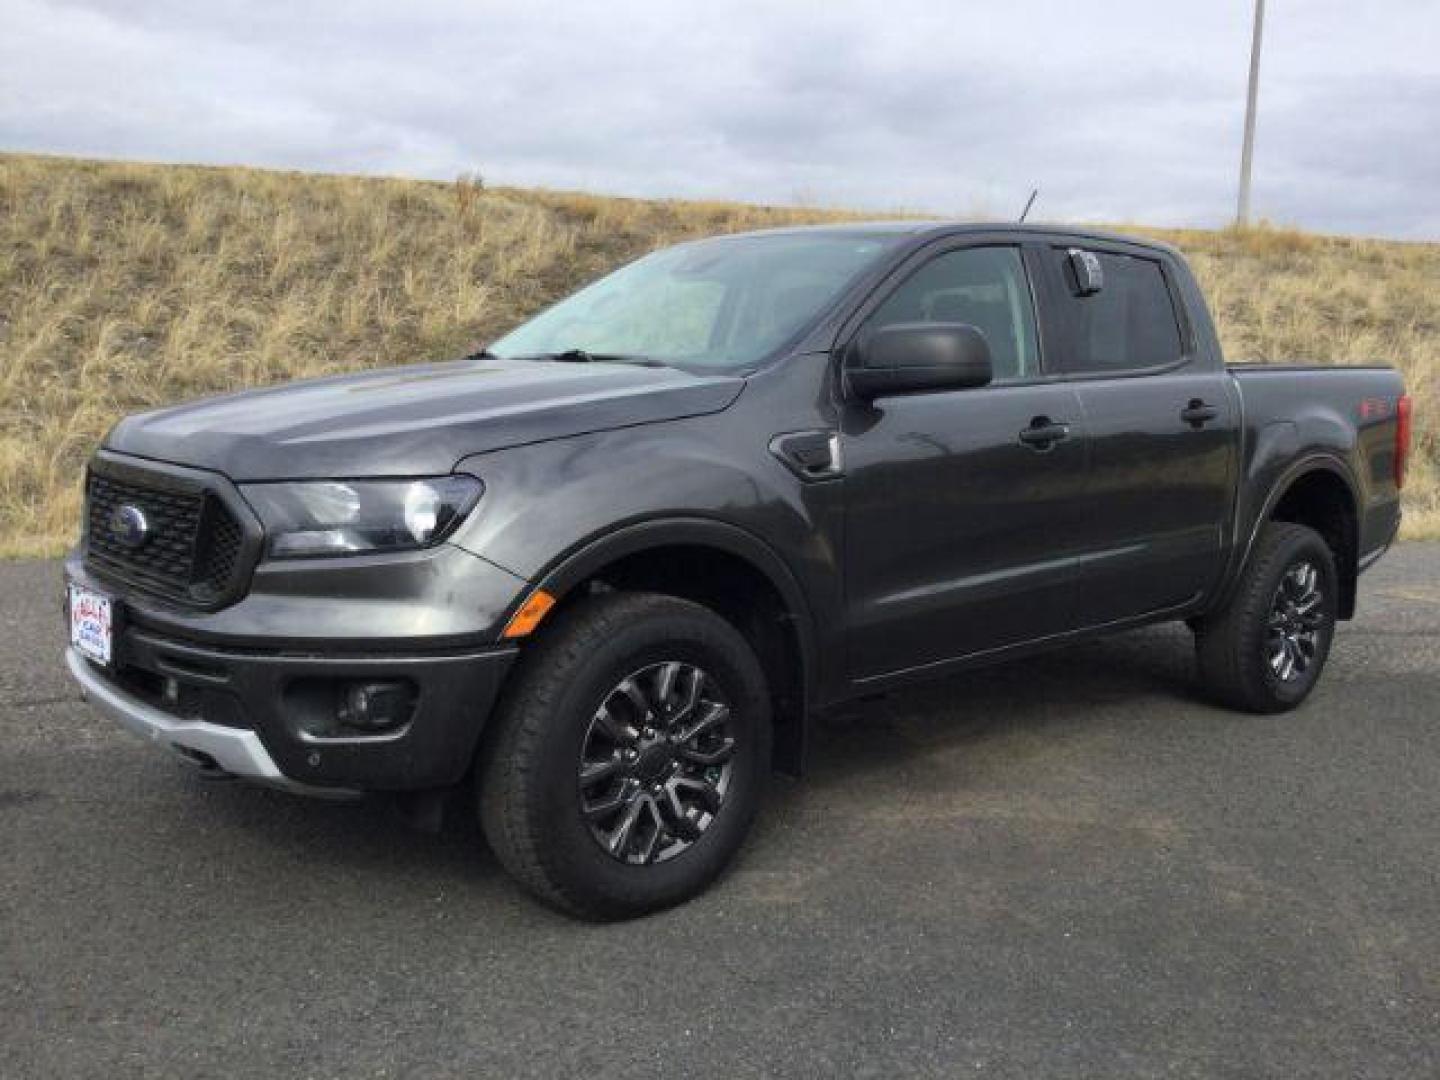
(590, 794)
(1265, 650)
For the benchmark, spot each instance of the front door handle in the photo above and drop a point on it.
(1197, 414)
(1043, 433)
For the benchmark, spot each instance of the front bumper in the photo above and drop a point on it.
(251, 690)
(260, 717)
(214, 748)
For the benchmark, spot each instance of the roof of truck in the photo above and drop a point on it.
(923, 228)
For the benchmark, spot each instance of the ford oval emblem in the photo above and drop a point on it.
(128, 526)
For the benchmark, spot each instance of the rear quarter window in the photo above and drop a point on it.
(1129, 325)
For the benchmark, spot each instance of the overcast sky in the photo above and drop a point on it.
(1116, 110)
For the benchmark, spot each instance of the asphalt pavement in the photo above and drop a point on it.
(1070, 866)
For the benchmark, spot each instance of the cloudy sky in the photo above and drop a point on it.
(1116, 110)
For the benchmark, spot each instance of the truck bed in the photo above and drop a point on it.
(1294, 411)
(1250, 367)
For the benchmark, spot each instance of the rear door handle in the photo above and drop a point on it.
(1198, 413)
(1043, 433)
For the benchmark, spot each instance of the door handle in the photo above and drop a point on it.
(1197, 414)
(1043, 433)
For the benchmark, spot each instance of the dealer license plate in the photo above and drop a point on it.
(92, 623)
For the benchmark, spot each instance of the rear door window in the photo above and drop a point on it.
(1130, 324)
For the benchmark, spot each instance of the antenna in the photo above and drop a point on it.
(1028, 204)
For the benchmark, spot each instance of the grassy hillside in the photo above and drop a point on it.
(126, 286)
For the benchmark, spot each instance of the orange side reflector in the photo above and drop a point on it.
(524, 621)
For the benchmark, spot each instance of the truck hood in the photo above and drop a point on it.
(413, 421)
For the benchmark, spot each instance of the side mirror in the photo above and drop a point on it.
(905, 358)
(1085, 268)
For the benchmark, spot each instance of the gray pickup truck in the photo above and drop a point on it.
(606, 571)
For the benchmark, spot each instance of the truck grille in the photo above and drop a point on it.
(193, 551)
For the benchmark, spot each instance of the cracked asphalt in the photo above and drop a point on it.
(1068, 867)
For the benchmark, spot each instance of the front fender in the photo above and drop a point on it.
(555, 513)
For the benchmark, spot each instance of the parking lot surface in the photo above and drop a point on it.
(1069, 866)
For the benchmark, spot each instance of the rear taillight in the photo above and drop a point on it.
(1402, 437)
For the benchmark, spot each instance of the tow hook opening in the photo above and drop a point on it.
(208, 766)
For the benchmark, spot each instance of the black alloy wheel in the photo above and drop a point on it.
(1264, 649)
(656, 763)
(623, 769)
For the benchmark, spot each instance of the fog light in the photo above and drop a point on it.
(375, 706)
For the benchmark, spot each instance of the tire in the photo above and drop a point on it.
(1244, 659)
(570, 705)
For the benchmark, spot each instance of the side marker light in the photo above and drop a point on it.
(524, 621)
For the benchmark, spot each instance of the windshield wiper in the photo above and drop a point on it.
(585, 356)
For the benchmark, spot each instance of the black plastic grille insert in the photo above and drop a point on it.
(192, 549)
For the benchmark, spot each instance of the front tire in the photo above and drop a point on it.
(1265, 650)
(626, 764)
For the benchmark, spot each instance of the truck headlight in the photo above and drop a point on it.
(356, 517)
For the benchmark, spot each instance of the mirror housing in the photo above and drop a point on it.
(1088, 274)
(907, 358)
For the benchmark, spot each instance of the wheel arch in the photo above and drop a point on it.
(729, 570)
(1320, 492)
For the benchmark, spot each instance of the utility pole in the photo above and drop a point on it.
(1242, 209)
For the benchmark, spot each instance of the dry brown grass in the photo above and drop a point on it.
(123, 287)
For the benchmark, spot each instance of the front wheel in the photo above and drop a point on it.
(1264, 651)
(626, 765)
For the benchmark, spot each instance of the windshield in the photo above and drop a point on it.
(717, 305)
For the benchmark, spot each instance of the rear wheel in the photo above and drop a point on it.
(625, 768)
(1265, 650)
